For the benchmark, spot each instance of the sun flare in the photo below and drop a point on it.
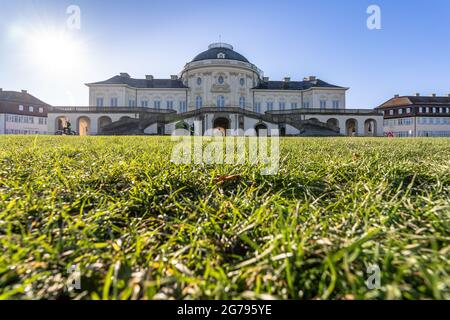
(55, 51)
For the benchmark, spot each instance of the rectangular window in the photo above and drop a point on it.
(30, 108)
(408, 110)
(269, 106)
(294, 105)
(21, 108)
(114, 102)
(144, 103)
(182, 106)
(400, 111)
(99, 102)
(157, 105)
(335, 104)
(323, 104)
(281, 105)
(169, 105)
(306, 104)
(41, 110)
(391, 112)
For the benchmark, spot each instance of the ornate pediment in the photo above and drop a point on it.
(222, 88)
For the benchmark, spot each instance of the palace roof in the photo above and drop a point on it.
(20, 97)
(143, 83)
(415, 100)
(295, 85)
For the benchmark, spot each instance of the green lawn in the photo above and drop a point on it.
(140, 227)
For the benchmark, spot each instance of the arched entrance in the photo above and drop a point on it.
(351, 126)
(61, 123)
(333, 122)
(103, 122)
(221, 125)
(84, 125)
(259, 127)
(370, 128)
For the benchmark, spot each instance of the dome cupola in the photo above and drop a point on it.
(220, 50)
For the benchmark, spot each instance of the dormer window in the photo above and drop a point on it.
(221, 55)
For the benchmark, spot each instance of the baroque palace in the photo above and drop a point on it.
(219, 89)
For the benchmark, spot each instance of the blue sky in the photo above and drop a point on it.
(325, 38)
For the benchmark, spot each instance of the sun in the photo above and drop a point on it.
(55, 51)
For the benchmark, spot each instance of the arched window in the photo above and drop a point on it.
(199, 81)
(220, 80)
(242, 102)
(198, 102)
(221, 101)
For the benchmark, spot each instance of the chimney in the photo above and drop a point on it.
(417, 94)
(287, 79)
(396, 96)
(24, 91)
(433, 94)
(124, 74)
(174, 77)
(312, 78)
(266, 79)
(1, 89)
(148, 77)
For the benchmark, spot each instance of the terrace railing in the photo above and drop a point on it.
(214, 109)
(324, 111)
(87, 109)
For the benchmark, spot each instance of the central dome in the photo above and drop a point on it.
(220, 51)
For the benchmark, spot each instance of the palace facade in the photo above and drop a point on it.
(218, 89)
